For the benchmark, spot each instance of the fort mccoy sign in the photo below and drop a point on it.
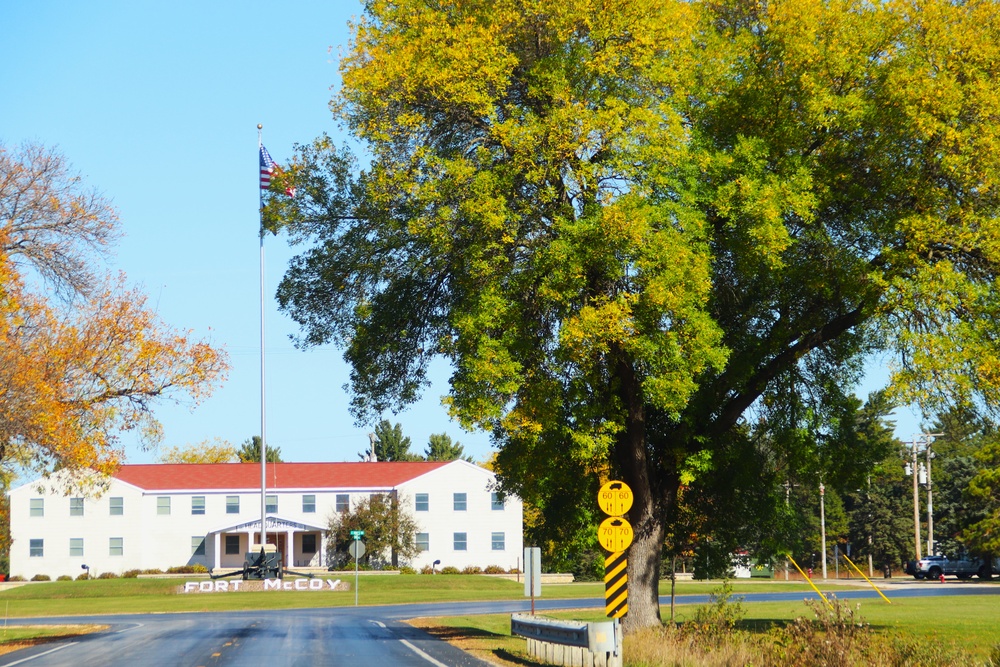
(246, 586)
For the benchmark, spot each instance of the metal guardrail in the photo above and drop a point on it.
(597, 637)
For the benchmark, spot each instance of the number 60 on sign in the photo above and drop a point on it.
(615, 498)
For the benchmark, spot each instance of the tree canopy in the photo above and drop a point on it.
(390, 532)
(441, 448)
(208, 451)
(390, 444)
(82, 359)
(658, 240)
(249, 451)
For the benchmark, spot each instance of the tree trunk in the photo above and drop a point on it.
(643, 556)
(644, 568)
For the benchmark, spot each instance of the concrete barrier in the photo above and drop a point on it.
(570, 643)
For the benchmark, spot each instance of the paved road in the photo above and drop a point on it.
(355, 636)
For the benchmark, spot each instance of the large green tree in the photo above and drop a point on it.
(631, 226)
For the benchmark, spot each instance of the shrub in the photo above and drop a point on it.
(494, 569)
(152, 570)
(64, 577)
(406, 569)
(197, 568)
(82, 577)
(131, 574)
(716, 620)
(449, 569)
(514, 570)
(472, 569)
(427, 569)
(107, 575)
(16, 577)
(41, 577)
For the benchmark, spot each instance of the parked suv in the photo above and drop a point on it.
(932, 567)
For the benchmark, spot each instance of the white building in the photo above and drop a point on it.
(165, 515)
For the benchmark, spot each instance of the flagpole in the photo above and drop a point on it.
(263, 410)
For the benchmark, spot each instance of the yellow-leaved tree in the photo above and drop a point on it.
(659, 240)
(82, 359)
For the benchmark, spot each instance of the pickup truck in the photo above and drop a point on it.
(932, 567)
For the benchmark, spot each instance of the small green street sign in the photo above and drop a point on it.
(357, 534)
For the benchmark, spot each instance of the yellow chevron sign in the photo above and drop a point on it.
(616, 585)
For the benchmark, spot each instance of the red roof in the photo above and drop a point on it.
(177, 476)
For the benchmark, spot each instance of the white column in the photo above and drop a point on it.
(217, 557)
(322, 548)
(290, 545)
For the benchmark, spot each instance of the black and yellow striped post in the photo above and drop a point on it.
(616, 585)
(615, 535)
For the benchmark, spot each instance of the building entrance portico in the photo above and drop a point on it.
(301, 544)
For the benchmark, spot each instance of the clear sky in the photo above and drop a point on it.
(157, 106)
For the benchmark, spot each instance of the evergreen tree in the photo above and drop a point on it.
(441, 448)
(249, 451)
(390, 443)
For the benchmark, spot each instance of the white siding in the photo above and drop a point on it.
(152, 540)
(479, 521)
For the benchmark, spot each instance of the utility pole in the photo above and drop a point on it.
(928, 440)
(912, 470)
(822, 525)
(871, 572)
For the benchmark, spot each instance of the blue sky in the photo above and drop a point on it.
(157, 106)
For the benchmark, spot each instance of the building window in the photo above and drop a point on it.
(116, 546)
(461, 541)
(309, 543)
(197, 545)
(76, 547)
(117, 506)
(163, 505)
(232, 504)
(460, 502)
(37, 507)
(232, 545)
(309, 504)
(496, 501)
(499, 542)
(422, 502)
(76, 506)
(271, 504)
(36, 548)
(423, 541)
(197, 504)
(343, 502)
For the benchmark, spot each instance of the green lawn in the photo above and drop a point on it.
(127, 596)
(967, 623)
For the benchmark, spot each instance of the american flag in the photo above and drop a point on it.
(267, 167)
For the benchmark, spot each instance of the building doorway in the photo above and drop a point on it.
(278, 539)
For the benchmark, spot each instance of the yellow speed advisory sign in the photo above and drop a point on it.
(615, 534)
(614, 498)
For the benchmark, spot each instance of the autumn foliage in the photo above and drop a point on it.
(81, 357)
